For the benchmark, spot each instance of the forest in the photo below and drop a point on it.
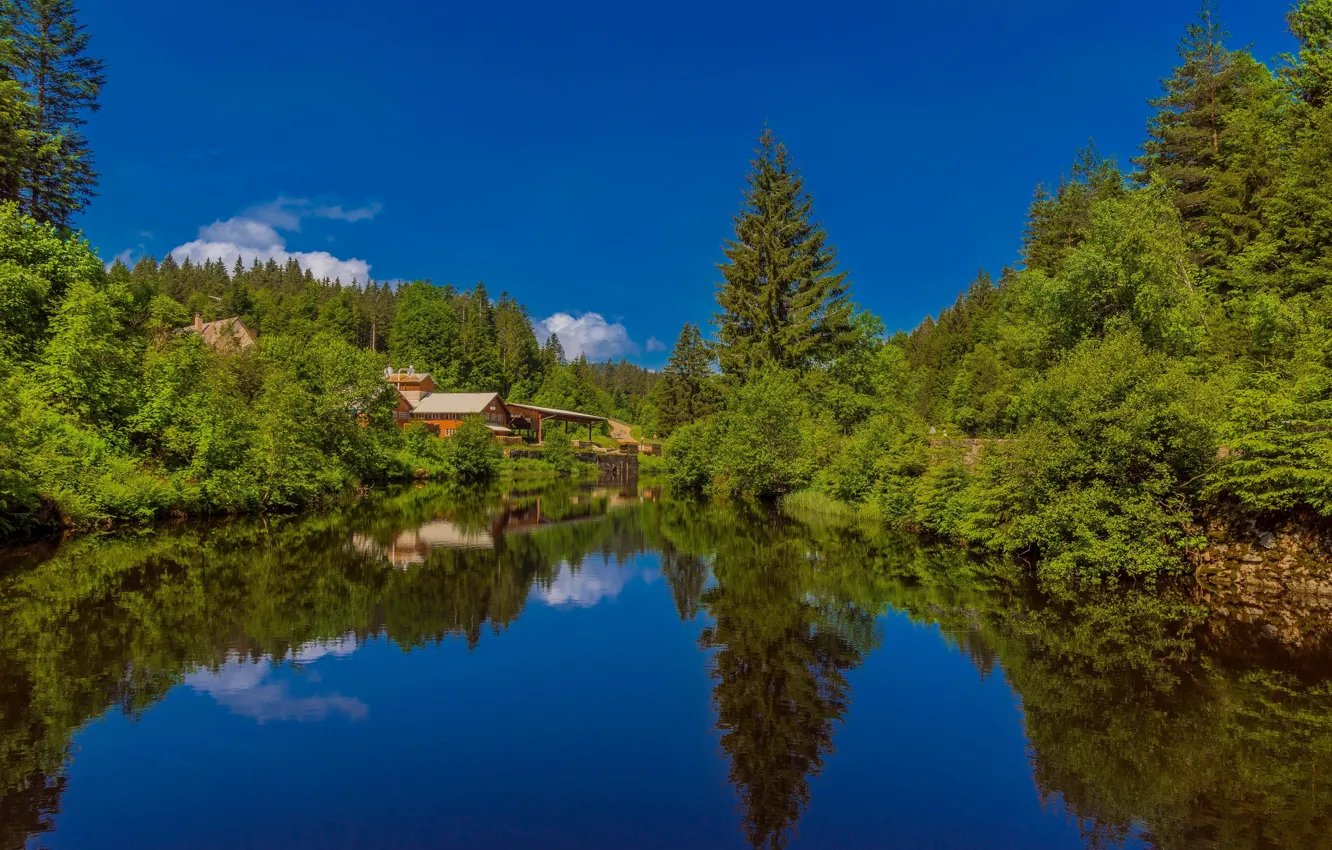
(1158, 364)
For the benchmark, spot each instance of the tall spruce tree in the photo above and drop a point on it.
(783, 301)
(685, 393)
(1184, 135)
(63, 84)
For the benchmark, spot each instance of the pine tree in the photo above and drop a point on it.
(1294, 253)
(1184, 136)
(1252, 143)
(63, 85)
(685, 393)
(783, 302)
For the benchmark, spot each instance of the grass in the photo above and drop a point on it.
(605, 442)
(813, 505)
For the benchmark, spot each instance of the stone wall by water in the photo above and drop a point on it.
(1276, 580)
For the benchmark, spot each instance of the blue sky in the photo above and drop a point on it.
(587, 157)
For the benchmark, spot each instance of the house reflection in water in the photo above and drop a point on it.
(515, 514)
(413, 545)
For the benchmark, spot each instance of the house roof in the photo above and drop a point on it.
(222, 332)
(455, 402)
(405, 377)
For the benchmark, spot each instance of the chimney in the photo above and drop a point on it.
(198, 323)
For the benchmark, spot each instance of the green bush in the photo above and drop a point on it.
(689, 456)
(1115, 437)
(766, 439)
(557, 450)
(1279, 441)
(473, 452)
(88, 478)
(423, 455)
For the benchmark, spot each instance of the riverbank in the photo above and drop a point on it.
(509, 472)
(1275, 581)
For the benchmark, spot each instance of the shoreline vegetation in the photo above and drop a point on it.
(1153, 379)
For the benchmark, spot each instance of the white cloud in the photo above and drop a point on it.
(588, 334)
(654, 344)
(255, 233)
(354, 214)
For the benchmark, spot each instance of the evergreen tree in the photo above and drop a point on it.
(16, 119)
(685, 393)
(480, 350)
(63, 84)
(519, 351)
(783, 300)
(552, 354)
(1201, 143)
(1309, 72)
(1059, 222)
(1294, 254)
(1184, 136)
(425, 332)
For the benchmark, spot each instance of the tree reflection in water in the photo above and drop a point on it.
(1140, 724)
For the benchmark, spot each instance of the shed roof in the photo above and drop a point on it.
(556, 413)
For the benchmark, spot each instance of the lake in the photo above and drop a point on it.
(605, 666)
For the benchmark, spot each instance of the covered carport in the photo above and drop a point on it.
(529, 417)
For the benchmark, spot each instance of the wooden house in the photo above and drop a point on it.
(223, 335)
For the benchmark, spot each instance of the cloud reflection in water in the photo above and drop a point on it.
(240, 685)
(590, 584)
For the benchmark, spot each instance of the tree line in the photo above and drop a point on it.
(1158, 365)
(467, 339)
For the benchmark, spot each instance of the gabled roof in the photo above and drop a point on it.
(455, 402)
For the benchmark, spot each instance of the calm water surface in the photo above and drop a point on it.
(603, 667)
